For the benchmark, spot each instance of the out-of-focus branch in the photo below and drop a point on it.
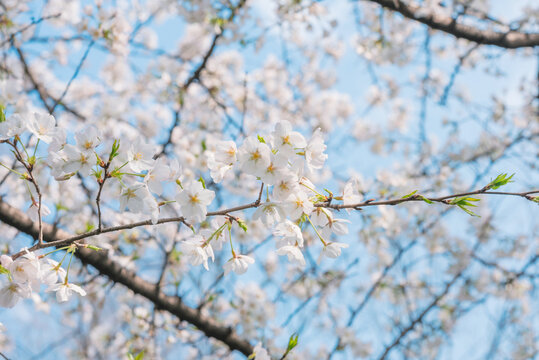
(195, 76)
(420, 317)
(42, 92)
(120, 274)
(510, 40)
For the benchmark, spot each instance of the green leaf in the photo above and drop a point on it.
(242, 224)
(107, 34)
(115, 150)
(292, 342)
(202, 182)
(218, 21)
(89, 227)
(93, 247)
(464, 201)
(3, 270)
(60, 207)
(500, 180)
(2, 113)
(410, 194)
(425, 199)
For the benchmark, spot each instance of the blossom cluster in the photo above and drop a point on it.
(281, 160)
(26, 275)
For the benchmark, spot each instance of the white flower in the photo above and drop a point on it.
(286, 140)
(254, 156)
(336, 226)
(226, 152)
(218, 171)
(175, 170)
(291, 234)
(220, 237)
(238, 264)
(78, 160)
(26, 269)
(140, 156)
(350, 196)
(43, 126)
(33, 209)
(285, 186)
(56, 161)
(88, 139)
(154, 178)
(138, 199)
(269, 213)
(64, 291)
(261, 353)
(133, 197)
(294, 254)
(52, 272)
(314, 152)
(58, 142)
(333, 249)
(193, 200)
(298, 204)
(320, 216)
(13, 126)
(275, 170)
(12, 292)
(5, 260)
(197, 251)
(221, 161)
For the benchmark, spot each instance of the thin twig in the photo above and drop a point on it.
(255, 204)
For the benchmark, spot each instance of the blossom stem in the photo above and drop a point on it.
(13, 171)
(69, 264)
(316, 230)
(23, 147)
(35, 149)
(313, 190)
(55, 250)
(230, 239)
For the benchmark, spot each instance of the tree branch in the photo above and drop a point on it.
(226, 212)
(510, 40)
(119, 274)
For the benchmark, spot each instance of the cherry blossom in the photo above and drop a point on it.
(293, 252)
(291, 234)
(12, 292)
(254, 156)
(140, 156)
(238, 263)
(43, 126)
(287, 141)
(269, 213)
(13, 126)
(198, 251)
(193, 200)
(333, 249)
(65, 290)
